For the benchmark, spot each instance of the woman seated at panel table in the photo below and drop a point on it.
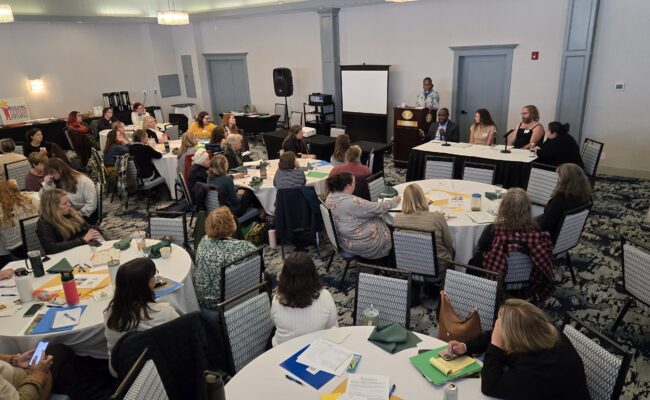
(216, 250)
(138, 114)
(483, 131)
(572, 191)
(515, 229)
(341, 146)
(80, 189)
(188, 147)
(289, 175)
(529, 132)
(526, 357)
(36, 175)
(415, 214)
(14, 206)
(301, 305)
(239, 201)
(143, 156)
(149, 125)
(359, 223)
(116, 145)
(61, 227)
(559, 147)
(294, 142)
(34, 143)
(134, 306)
(202, 127)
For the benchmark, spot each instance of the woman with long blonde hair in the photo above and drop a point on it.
(14, 206)
(80, 189)
(526, 357)
(188, 146)
(61, 227)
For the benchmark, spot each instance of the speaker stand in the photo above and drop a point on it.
(286, 113)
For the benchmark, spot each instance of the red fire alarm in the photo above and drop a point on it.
(534, 55)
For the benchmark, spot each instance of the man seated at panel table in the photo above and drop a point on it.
(444, 129)
(529, 132)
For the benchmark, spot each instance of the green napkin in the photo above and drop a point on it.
(61, 266)
(155, 249)
(123, 244)
(393, 337)
(491, 195)
(318, 175)
(238, 170)
(389, 191)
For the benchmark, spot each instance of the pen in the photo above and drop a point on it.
(69, 316)
(9, 295)
(89, 267)
(292, 379)
(392, 390)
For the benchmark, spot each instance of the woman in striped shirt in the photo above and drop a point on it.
(289, 174)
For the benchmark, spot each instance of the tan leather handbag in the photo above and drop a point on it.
(451, 327)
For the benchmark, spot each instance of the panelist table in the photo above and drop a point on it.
(464, 231)
(320, 145)
(512, 169)
(267, 192)
(263, 378)
(87, 339)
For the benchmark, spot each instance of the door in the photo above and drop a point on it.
(482, 80)
(188, 75)
(228, 78)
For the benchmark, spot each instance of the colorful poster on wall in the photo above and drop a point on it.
(13, 110)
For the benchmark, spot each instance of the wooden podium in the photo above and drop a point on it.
(408, 122)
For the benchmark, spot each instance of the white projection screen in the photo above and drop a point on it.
(365, 91)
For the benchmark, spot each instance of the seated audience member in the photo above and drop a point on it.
(301, 305)
(443, 129)
(526, 357)
(217, 140)
(483, 131)
(202, 127)
(572, 191)
(106, 121)
(353, 164)
(216, 250)
(7, 147)
(61, 227)
(143, 156)
(80, 136)
(294, 142)
(34, 143)
(115, 146)
(120, 128)
(199, 169)
(559, 147)
(188, 146)
(238, 200)
(232, 151)
(359, 223)
(14, 206)
(529, 132)
(229, 124)
(415, 214)
(138, 114)
(80, 189)
(289, 175)
(36, 175)
(515, 229)
(149, 125)
(134, 306)
(76, 124)
(21, 381)
(341, 145)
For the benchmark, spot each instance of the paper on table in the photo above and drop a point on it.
(481, 217)
(336, 335)
(326, 356)
(369, 387)
(67, 318)
(88, 281)
(8, 288)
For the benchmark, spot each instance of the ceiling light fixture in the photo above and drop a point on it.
(5, 13)
(172, 16)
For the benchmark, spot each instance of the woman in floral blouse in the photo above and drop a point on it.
(216, 250)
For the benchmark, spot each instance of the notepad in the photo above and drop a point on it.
(421, 362)
(318, 175)
(451, 367)
(42, 323)
(67, 318)
(481, 217)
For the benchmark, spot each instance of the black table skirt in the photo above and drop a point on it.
(507, 173)
(52, 132)
(320, 145)
(377, 148)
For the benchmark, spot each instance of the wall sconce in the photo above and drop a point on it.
(37, 85)
(6, 15)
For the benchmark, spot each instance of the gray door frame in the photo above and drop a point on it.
(209, 57)
(486, 50)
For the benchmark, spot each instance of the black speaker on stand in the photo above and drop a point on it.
(283, 86)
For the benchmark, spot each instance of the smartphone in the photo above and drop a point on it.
(38, 353)
(447, 355)
(33, 310)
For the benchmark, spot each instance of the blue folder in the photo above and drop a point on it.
(45, 324)
(300, 370)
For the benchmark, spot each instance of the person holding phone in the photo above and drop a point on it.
(21, 378)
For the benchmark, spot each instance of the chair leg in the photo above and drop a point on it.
(573, 273)
(345, 272)
(282, 246)
(619, 319)
(329, 263)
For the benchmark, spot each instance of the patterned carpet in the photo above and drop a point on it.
(619, 207)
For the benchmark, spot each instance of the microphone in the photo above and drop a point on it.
(505, 144)
(508, 133)
(444, 136)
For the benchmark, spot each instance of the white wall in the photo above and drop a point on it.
(620, 119)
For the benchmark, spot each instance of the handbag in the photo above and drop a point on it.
(451, 327)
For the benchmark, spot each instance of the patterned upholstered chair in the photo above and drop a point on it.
(19, 148)
(439, 167)
(416, 253)
(468, 292)
(541, 182)
(241, 275)
(172, 131)
(605, 371)
(28, 234)
(145, 187)
(188, 195)
(572, 224)
(590, 153)
(376, 185)
(131, 376)
(17, 170)
(147, 385)
(519, 269)
(635, 266)
(390, 296)
(247, 326)
(478, 172)
(168, 223)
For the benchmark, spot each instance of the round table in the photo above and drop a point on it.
(87, 339)
(267, 192)
(263, 378)
(129, 129)
(167, 166)
(463, 229)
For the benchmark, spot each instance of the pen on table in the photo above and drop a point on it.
(9, 295)
(89, 267)
(70, 316)
(392, 390)
(292, 379)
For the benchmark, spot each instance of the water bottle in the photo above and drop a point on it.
(36, 263)
(24, 285)
(214, 389)
(166, 147)
(69, 288)
(370, 316)
(263, 169)
(273, 242)
(476, 202)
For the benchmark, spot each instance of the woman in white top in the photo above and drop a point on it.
(301, 304)
(150, 126)
(138, 114)
(134, 306)
(80, 189)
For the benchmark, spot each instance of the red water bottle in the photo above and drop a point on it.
(70, 288)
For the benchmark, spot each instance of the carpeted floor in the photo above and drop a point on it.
(619, 207)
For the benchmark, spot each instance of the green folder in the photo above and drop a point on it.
(421, 362)
(318, 175)
(61, 266)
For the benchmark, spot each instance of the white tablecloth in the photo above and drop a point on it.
(463, 229)
(267, 192)
(263, 378)
(475, 150)
(129, 132)
(168, 164)
(87, 339)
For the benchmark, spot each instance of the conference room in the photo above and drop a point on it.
(324, 198)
